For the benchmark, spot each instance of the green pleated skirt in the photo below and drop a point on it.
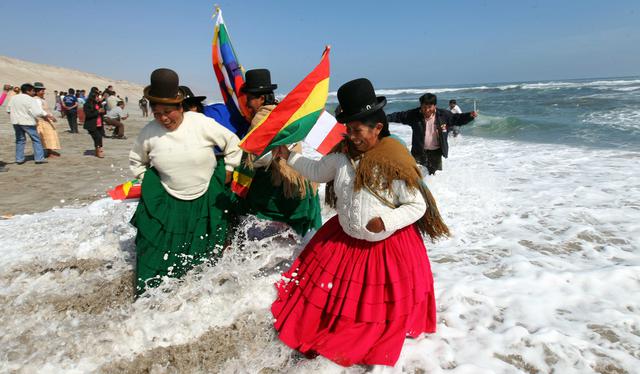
(175, 235)
(269, 202)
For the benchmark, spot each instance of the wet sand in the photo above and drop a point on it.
(75, 178)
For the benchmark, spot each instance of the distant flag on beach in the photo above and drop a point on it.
(229, 72)
(294, 117)
(326, 133)
(126, 191)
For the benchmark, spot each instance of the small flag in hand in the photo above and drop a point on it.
(326, 133)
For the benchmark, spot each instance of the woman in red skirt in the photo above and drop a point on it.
(363, 283)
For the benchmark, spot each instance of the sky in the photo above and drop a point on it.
(395, 44)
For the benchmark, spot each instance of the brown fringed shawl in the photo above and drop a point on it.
(387, 161)
(294, 185)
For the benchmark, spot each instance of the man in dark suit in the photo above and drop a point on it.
(430, 127)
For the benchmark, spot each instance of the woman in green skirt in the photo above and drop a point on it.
(182, 216)
(277, 191)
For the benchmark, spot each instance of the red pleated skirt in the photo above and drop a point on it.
(354, 301)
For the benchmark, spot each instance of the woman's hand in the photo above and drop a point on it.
(281, 151)
(228, 176)
(375, 225)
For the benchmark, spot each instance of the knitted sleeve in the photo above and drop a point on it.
(139, 155)
(410, 207)
(320, 171)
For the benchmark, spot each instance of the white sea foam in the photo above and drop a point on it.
(541, 275)
(626, 119)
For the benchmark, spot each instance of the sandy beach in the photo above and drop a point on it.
(78, 177)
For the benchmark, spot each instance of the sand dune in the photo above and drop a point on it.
(17, 72)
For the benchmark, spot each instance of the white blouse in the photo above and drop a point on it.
(185, 157)
(356, 209)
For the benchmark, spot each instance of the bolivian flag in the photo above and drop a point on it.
(295, 115)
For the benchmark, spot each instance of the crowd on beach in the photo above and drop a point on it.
(32, 117)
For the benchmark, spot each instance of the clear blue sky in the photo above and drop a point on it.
(402, 44)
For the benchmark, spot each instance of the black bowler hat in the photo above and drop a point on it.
(189, 97)
(358, 99)
(258, 81)
(164, 87)
(38, 86)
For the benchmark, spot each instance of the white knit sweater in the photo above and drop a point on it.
(185, 157)
(356, 209)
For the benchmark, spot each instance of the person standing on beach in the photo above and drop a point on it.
(13, 91)
(455, 109)
(364, 282)
(111, 99)
(46, 128)
(144, 107)
(5, 91)
(430, 127)
(70, 107)
(277, 192)
(182, 217)
(94, 121)
(24, 110)
(81, 101)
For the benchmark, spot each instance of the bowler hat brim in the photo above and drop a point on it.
(259, 90)
(195, 99)
(163, 100)
(348, 117)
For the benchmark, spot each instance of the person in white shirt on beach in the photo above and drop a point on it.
(114, 117)
(183, 214)
(24, 110)
(454, 108)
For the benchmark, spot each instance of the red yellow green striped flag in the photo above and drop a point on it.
(296, 114)
(126, 191)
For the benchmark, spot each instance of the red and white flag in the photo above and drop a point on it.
(326, 133)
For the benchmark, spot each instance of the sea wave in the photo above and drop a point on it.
(626, 119)
(618, 85)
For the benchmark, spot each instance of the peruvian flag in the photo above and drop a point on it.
(326, 133)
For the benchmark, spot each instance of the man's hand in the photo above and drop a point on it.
(474, 114)
(375, 225)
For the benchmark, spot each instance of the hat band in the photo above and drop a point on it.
(365, 108)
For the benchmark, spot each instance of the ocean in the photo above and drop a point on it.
(541, 275)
